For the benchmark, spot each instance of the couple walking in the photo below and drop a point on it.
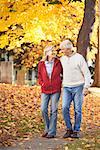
(76, 80)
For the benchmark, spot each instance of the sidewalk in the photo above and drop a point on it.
(39, 143)
(88, 140)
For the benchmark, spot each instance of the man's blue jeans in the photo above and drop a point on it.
(50, 122)
(74, 94)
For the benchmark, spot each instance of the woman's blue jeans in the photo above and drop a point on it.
(74, 94)
(50, 122)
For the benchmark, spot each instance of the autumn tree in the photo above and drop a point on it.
(83, 40)
(24, 23)
(84, 36)
(97, 64)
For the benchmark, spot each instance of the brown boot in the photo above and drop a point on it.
(75, 135)
(44, 134)
(50, 136)
(68, 134)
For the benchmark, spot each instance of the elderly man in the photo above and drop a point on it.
(76, 80)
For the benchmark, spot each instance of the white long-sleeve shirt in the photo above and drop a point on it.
(49, 67)
(75, 71)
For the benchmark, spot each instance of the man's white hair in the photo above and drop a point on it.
(66, 44)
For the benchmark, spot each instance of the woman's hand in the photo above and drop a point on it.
(42, 84)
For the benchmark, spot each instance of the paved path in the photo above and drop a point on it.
(39, 143)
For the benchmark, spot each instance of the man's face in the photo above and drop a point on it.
(66, 51)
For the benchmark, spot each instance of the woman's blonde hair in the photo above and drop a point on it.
(46, 50)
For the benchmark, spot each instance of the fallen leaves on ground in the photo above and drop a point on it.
(20, 114)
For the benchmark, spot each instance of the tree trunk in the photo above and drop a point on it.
(83, 40)
(97, 65)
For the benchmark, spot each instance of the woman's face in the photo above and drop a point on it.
(50, 54)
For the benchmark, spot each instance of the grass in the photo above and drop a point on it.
(89, 141)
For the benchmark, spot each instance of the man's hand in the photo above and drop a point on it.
(86, 91)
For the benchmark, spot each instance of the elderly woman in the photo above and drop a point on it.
(49, 76)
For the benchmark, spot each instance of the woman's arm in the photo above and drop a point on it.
(40, 81)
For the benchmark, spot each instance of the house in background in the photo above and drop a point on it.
(11, 75)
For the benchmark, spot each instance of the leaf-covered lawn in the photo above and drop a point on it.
(20, 114)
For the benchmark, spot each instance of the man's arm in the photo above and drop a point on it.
(87, 75)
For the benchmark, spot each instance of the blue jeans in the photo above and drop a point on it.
(50, 122)
(74, 94)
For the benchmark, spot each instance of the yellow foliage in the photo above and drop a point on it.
(38, 21)
(3, 41)
(32, 21)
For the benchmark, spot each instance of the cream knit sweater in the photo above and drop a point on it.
(75, 71)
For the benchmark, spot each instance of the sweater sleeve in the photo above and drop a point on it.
(86, 73)
(61, 70)
(39, 74)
